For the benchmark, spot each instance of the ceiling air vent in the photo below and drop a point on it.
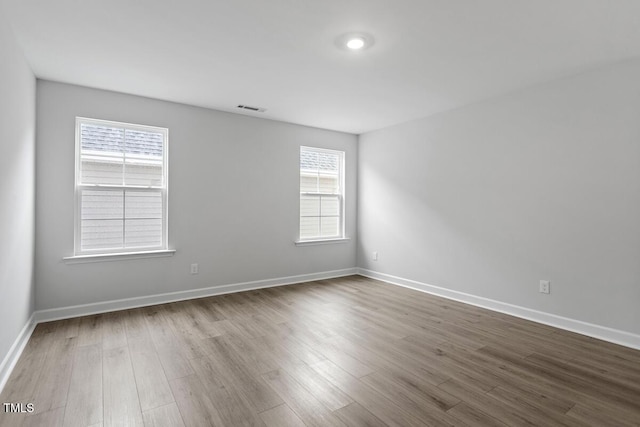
(250, 108)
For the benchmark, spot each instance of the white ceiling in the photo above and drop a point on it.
(429, 55)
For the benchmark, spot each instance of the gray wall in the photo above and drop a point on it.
(233, 199)
(17, 187)
(491, 198)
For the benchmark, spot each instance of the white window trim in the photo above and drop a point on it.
(342, 238)
(80, 259)
(321, 241)
(120, 253)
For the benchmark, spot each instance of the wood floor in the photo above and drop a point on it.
(342, 352)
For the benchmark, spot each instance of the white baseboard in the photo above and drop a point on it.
(607, 334)
(10, 360)
(15, 351)
(123, 304)
(604, 333)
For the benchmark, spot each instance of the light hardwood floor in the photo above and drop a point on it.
(341, 352)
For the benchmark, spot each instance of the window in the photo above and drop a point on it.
(321, 194)
(121, 187)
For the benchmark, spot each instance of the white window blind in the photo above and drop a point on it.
(321, 194)
(121, 187)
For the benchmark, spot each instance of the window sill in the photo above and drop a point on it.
(321, 241)
(78, 259)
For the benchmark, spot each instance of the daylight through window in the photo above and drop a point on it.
(121, 187)
(321, 194)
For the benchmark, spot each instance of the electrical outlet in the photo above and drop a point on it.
(194, 268)
(545, 286)
(375, 255)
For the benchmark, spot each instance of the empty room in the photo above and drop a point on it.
(319, 213)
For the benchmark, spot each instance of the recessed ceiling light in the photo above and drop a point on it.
(354, 41)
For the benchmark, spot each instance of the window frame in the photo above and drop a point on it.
(78, 187)
(341, 198)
